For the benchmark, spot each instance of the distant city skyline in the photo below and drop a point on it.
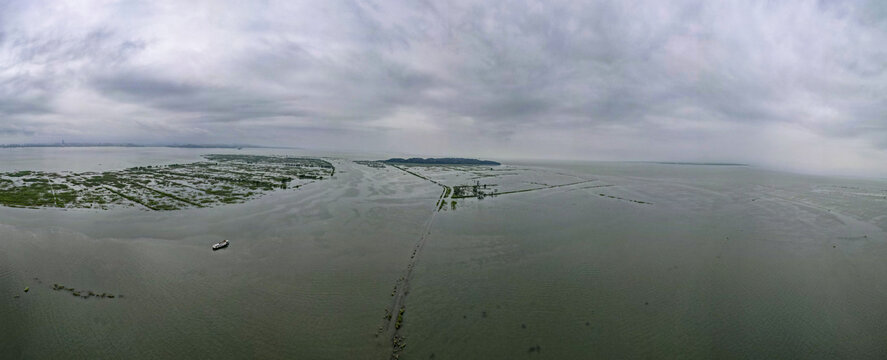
(795, 85)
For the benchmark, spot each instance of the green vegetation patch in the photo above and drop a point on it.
(37, 194)
(223, 179)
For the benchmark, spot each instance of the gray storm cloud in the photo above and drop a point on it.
(799, 85)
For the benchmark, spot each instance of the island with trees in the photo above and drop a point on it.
(440, 161)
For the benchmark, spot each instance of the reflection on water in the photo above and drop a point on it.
(720, 262)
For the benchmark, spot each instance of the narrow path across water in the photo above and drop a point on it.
(394, 315)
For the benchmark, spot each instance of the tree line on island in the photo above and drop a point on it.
(440, 161)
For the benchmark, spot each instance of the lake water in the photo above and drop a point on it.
(720, 262)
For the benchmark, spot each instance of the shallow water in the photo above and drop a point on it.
(307, 274)
(724, 262)
(728, 262)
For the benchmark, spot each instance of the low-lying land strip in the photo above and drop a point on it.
(440, 161)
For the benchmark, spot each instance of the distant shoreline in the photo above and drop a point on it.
(440, 161)
(694, 163)
(188, 146)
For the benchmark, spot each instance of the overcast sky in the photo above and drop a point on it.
(792, 84)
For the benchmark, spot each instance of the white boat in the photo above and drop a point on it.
(220, 245)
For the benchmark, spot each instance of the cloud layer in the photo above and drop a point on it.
(794, 84)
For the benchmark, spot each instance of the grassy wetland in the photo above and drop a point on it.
(221, 179)
(437, 261)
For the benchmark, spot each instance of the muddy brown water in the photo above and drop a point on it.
(725, 262)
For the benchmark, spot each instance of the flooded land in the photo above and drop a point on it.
(222, 179)
(105, 253)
